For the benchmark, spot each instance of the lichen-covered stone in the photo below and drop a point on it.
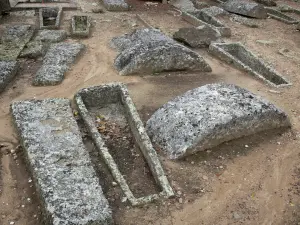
(197, 37)
(13, 40)
(116, 5)
(210, 115)
(56, 62)
(245, 8)
(140, 37)
(34, 49)
(51, 36)
(150, 51)
(8, 70)
(61, 167)
(80, 26)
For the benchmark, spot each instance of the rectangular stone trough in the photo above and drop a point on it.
(80, 26)
(100, 97)
(240, 57)
(203, 18)
(60, 164)
(275, 14)
(50, 17)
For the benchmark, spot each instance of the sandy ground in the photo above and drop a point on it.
(252, 180)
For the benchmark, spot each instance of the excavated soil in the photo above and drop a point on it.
(252, 180)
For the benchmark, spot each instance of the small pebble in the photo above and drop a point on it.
(180, 200)
(246, 146)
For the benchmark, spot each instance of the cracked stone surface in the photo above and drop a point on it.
(62, 170)
(197, 37)
(8, 70)
(56, 62)
(14, 39)
(150, 51)
(34, 49)
(245, 8)
(210, 115)
(267, 2)
(116, 5)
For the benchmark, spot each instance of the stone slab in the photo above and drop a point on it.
(60, 165)
(36, 6)
(207, 116)
(100, 96)
(51, 36)
(245, 8)
(34, 49)
(8, 70)
(13, 40)
(116, 5)
(56, 62)
(238, 55)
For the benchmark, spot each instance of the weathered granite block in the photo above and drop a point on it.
(60, 165)
(277, 15)
(150, 51)
(51, 36)
(116, 5)
(56, 62)
(13, 40)
(207, 116)
(8, 70)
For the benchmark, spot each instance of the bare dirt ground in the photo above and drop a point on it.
(252, 180)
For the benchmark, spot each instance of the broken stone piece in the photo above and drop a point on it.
(60, 164)
(8, 70)
(197, 37)
(207, 116)
(56, 62)
(245, 8)
(150, 51)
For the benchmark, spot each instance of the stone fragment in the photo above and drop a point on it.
(245, 8)
(61, 167)
(150, 51)
(184, 5)
(8, 70)
(197, 37)
(200, 5)
(116, 5)
(56, 62)
(51, 36)
(207, 116)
